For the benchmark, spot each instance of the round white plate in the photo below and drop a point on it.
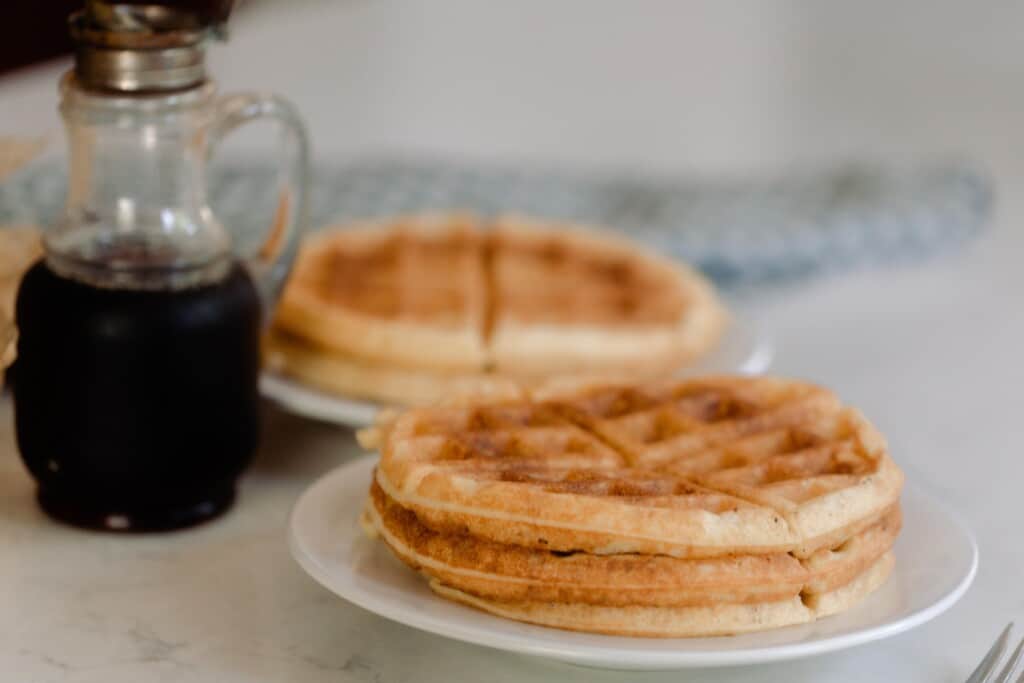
(936, 559)
(743, 349)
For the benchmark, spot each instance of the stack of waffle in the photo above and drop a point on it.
(421, 308)
(677, 508)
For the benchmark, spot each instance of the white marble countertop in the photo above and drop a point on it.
(932, 353)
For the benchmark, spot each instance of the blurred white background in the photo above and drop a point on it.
(710, 86)
(663, 83)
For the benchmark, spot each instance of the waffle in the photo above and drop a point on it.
(681, 622)
(787, 446)
(410, 295)
(688, 468)
(348, 375)
(508, 573)
(634, 594)
(437, 298)
(568, 300)
(707, 506)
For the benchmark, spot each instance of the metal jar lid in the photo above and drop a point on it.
(138, 48)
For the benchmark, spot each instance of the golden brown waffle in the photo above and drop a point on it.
(681, 622)
(511, 573)
(696, 468)
(413, 294)
(677, 508)
(569, 300)
(787, 446)
(348, 375)
(632, 593)
(435, 297)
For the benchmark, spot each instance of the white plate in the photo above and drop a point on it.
(743, 349)
(936, 559)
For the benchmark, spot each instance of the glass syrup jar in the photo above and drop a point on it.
(136, 384)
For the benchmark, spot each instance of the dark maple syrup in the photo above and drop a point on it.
(136, 409)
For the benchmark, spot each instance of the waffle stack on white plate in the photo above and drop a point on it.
(701, 507)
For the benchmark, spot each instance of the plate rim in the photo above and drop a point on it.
(614, 657)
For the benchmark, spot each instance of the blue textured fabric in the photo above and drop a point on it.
(739, 232)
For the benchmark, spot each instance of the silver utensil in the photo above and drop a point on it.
(983, 674)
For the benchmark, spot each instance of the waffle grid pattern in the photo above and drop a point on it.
(718, 446)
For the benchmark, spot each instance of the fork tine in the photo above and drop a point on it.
(1011, 664)
(991, 658)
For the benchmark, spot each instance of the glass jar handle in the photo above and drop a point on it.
(271, 263)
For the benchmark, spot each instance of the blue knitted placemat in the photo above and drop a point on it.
(737, 231)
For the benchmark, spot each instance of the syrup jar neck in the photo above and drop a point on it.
(142, 119)
(137, 107)
(136, 212)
